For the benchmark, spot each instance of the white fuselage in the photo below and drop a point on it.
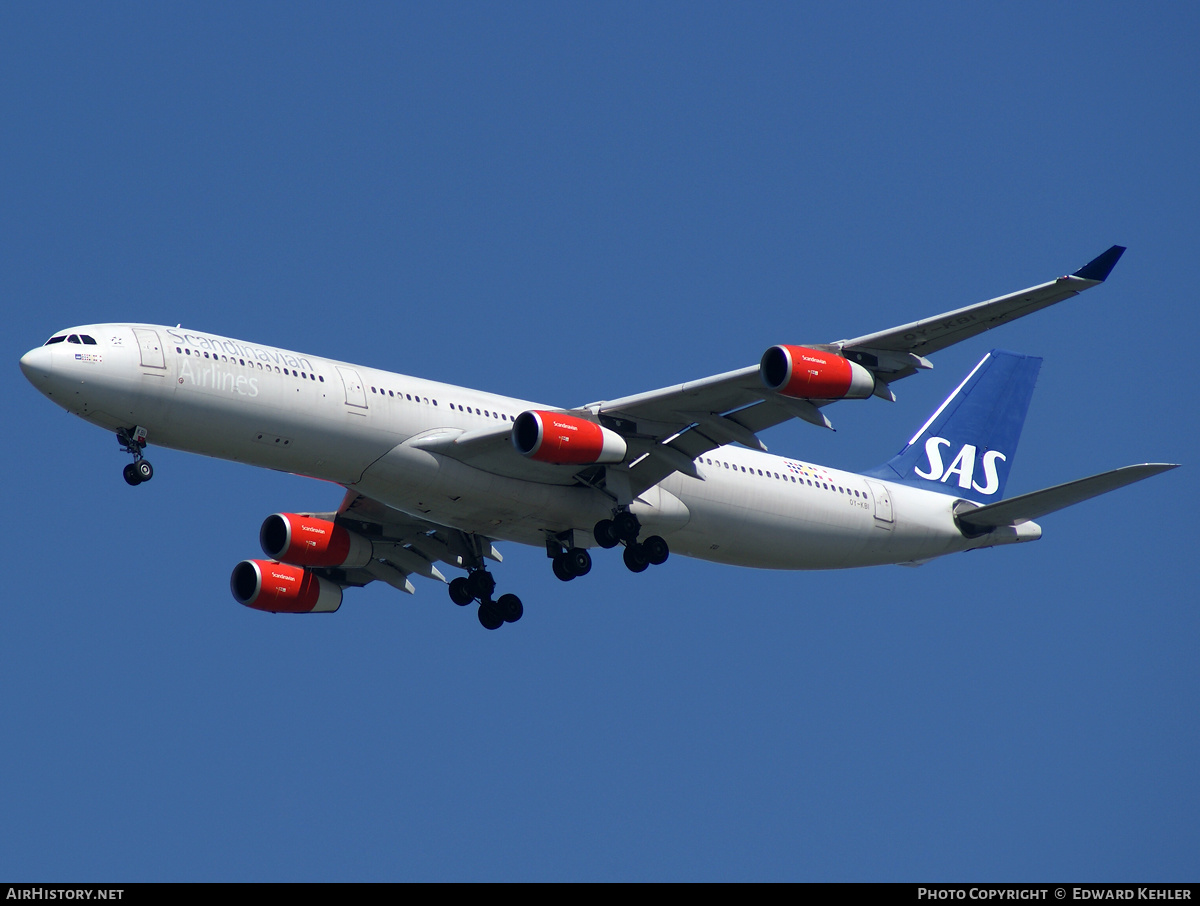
(355, 426)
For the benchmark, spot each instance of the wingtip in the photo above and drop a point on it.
(1101, 266)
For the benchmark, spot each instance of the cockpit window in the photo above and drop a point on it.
(73, 339)
(87, 341)
(53, 340)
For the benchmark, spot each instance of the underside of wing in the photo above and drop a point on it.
(402, 545)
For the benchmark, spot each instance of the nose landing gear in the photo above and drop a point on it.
(133, 441)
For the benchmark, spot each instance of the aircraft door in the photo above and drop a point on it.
(883, 505)
(150, 348)
(356, 394)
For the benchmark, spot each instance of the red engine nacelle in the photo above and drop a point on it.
(282, 588)
(565, 439)
(307, 541)
(811, 374)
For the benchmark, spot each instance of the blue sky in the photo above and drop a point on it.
(572, 202)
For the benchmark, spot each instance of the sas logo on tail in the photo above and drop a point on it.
(963, 466)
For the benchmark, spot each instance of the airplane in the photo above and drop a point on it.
(437, 474)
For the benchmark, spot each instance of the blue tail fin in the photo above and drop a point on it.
(967, 446)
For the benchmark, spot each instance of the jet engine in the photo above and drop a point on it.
(281, 588)
(308, 541)
(565, 439)
(810, 374)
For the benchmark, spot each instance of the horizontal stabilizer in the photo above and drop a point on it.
(1039, 503)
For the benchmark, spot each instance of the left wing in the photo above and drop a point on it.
(899, 351)
(667, 430)
(688, 420)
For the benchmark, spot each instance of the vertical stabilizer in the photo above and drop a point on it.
(966, 448)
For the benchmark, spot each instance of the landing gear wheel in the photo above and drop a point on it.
(561, 570)
(133, 441)
(627, 526)
(460, 591)
(656, 550)
(635, 558)
(481, 584)
(490, 616)
(605, 534)
(510, 607)
(578, 561)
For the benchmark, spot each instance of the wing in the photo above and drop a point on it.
(688, 420)
(669, 429)
(899, 351)
(411, 546)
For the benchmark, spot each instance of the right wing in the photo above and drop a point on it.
(408, 545)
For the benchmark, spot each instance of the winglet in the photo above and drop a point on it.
(1101, 266)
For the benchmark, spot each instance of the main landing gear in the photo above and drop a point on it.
(569, 561)
(624, 528)
(478, 585)
(133, 440)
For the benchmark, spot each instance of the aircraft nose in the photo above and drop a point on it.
(36, 366)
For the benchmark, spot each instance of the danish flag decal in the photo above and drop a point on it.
(966, 448)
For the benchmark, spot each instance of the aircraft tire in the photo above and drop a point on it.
(145, 471)
(510, 607)
(605, 534)
(561, 570)
(578, 561)
(131, 476)
(481, 584)
(627, 526)
(635, 558)
(460, 591)
(656, 550)
(489, 616)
